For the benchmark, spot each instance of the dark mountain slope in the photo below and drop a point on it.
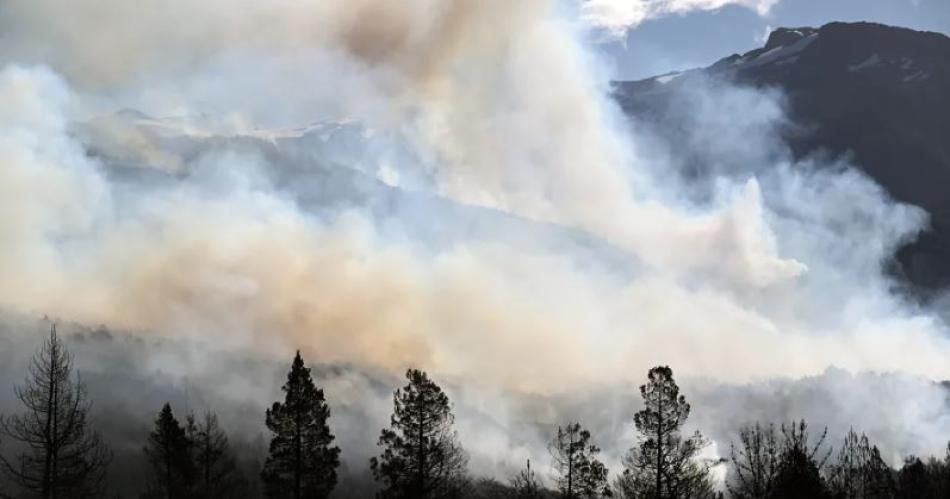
(876, 93)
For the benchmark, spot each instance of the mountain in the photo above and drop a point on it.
(324, 169)
(876, 94)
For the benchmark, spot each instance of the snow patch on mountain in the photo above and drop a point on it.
(870, 62)
(780, 54)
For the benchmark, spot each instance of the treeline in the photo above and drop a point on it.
(59, 455)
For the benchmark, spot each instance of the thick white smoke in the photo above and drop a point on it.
(210, 230)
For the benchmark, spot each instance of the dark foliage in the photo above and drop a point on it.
(579, 473)
(799, 471)
(665, 465)
(301, 461)
(215, 469)
(421, 457)
(57, 455)
(171, 470)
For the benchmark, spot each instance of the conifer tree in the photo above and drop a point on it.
(301, 462)
(665, 465)
(421, 457)
(579, 474)
(64, 457)
(941, 474)
(168, 452)
(214, 465)
(914, 480)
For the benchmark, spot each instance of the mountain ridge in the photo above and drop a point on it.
(877, 95)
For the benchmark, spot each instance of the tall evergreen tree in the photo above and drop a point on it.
(64, 457)
(301, 462)
(421, 457)
(915, 480)
(665, 465)
(755, 463)
(579, 474)
(214, 465)
(940, 470)
(168, 452)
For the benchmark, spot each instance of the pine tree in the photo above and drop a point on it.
(214, 464)
(665, 465)
(914, 480)
(579, 474)
(941, 474)
(301, 462)
(65, 458)
(168, 452)
(755, 463)
(421, 456)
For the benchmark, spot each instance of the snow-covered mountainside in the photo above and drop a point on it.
(876, 95)
(325, 168)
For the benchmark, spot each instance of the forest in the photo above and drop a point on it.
(51, 450)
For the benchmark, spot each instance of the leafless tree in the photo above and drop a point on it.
(755, 463)
(62, 457)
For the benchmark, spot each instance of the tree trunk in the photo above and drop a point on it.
(168, 471)
(298, 456)
(54, 437)
(659, 450)
(570, 467)
(422, 454)
(48, 465)
(207, 466)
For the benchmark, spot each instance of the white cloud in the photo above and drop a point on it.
(618, 16)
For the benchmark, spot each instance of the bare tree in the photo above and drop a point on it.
(63, 456)
(755, 463)
(859, 471)
(525, 484)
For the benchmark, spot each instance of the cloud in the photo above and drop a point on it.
(619, 16)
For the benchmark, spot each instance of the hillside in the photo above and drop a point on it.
(876, 95)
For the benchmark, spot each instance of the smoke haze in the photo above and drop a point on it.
(443, 185)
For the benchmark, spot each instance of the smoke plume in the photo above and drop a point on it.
(445, 185)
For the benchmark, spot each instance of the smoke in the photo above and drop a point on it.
(492, 217)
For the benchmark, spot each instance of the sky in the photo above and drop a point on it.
(701, 37)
